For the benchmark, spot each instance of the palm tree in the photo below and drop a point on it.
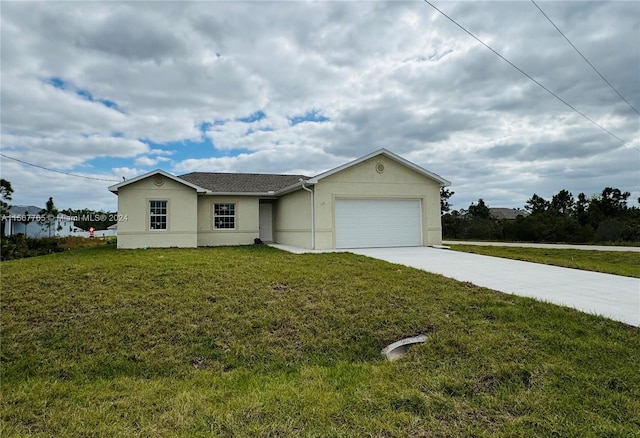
(50, 213)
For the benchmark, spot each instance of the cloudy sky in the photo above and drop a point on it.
(115, 89)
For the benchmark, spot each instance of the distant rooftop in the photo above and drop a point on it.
(507, 213)
(24, 209)
(21, 210)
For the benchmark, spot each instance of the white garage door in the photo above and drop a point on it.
(376, 223)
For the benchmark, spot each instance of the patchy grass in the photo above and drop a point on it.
(252, 341)
(610, 262)
(19, 246)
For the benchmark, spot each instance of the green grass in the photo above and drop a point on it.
(625, 263)
(252, 341)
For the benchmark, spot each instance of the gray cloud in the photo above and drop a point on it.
(385, 74)
(133, 37)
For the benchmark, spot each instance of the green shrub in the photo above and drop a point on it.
(19, 246)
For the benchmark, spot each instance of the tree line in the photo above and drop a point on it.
(604, 217)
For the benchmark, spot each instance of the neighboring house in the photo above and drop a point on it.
(507, 213)
(27, 220)
(379, 200)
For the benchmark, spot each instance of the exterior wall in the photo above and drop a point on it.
(292, 219)
(13, 227)
(246, 221)
(33, 225)
(61, 227)
(363, 181)
(133, 202)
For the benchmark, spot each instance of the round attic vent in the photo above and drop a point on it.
(379, 167)
(158, 180)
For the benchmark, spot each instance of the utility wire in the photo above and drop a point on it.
(585, 59)
(58, 171)
(527, 75)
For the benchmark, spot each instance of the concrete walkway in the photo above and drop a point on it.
(547, 245)
(612, 296)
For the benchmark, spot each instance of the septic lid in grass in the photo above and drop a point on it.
(399, 348)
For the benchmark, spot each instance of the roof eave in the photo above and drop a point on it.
(259, 194)
(270, 194)
(114, 188)
(295, 187)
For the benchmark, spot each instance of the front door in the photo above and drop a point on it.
(266, 222)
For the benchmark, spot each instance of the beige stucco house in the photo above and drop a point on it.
(379, 200)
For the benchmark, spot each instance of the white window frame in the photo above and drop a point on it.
(224, 206)
(159, 215)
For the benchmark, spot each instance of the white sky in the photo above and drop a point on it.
(113, 89)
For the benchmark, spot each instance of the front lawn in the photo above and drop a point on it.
(252, 341)
(610, 262)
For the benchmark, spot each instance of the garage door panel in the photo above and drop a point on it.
(368, 223)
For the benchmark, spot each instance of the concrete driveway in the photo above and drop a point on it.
(608, 295)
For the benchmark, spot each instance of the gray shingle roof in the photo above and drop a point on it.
(241, 182)
(507, 213)
(24, 209)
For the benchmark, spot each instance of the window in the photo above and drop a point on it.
(224, 216)
(157, 215)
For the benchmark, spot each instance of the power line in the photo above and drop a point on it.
(527, 75)
(58, 171)
(585, 59)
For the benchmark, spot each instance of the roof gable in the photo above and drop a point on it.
(114, 188)
(443, 182)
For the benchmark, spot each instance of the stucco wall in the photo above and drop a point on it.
(363, 181)
(133, 203)
(292, 219)
(246, 222)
